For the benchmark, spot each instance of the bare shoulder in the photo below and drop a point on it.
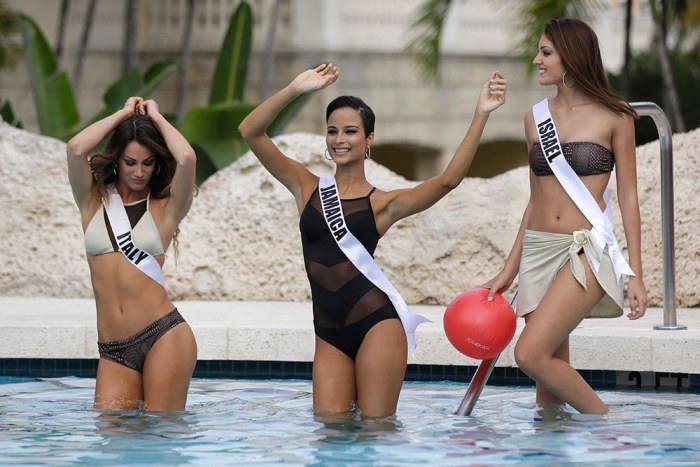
(380, 199)
(530, 128)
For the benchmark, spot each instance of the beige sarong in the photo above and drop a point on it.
(545, 253)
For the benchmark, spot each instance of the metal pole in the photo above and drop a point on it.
(652, 110)
(476, 385)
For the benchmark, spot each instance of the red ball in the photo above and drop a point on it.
(478, 328)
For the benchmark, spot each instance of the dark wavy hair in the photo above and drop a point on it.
(577, 45)
(356, 103)
(141, 129)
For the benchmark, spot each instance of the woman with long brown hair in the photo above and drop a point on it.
(565, 254)
(132, 196)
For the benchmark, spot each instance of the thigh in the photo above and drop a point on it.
(380, 368)
(117, 387)
(333, 379)
(562, 308)
(168, 369)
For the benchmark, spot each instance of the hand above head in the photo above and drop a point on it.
(149, 108)
(637, 298)
(493, 93)
(313, 80)
(132, 104)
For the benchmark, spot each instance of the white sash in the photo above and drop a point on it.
(121, 228)
(360, 257)
(603, 230)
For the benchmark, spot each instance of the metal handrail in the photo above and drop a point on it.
(476, 385)
(649, 109)
(643, 109)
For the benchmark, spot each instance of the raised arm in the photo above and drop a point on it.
(623, 146)
(406, 202)
(253, 128)
(181, 188)
(82, 144)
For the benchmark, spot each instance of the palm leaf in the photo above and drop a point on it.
(232, 63)
(133, 84)
(533, 15)
(55, 105)
(426, 30)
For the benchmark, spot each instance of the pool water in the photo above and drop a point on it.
(248, 422)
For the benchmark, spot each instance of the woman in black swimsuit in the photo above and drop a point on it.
(361, 348)
(596, 129)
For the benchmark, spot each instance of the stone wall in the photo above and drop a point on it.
(241, 239)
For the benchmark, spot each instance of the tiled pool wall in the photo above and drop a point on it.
(87, 368)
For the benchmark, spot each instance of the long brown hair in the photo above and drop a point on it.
(141, 129)
(577, 45)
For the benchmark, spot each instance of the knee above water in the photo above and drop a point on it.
(527, 357)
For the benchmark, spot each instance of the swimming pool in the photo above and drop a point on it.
(228, 422)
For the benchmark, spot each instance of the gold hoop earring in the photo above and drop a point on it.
(563, 80)
(368, 153)
(327, 155)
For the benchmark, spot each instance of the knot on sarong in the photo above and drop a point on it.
(581, 239)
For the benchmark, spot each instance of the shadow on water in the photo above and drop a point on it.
(141, 437)
(350, 437)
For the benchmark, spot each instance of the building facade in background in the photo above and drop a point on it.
(419, 124)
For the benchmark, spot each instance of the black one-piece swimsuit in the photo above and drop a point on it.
(346, 304)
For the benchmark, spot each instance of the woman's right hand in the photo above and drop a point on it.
(498, 284)
(313, 80)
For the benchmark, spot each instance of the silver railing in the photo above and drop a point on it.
(644, 109)
(476, 385)
(649, 109)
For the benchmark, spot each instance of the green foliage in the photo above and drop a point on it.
(10, 39)
(8, 115)
(133, 84)
(426, 30)
(646, 84)
(533, 15)
(232, 63)
(53, 96)
(55, 104)
(213, 130)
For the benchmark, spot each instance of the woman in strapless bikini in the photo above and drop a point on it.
(566, 272)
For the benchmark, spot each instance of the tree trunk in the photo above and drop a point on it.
(82, 47)
(185, 54)
(671, 92)
(625, 85)
(269, 54)
(65, 7)
(130, 57)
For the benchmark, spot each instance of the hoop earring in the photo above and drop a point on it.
(157, 170)
(368, 153)
(563, 80)
(327, 155)
(114, 168)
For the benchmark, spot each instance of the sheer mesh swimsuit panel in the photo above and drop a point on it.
(585, 158)
(99, 239)
(346, 304)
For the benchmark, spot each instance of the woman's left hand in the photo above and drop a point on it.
(493, 93)
(637, 297)
(148, 108)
